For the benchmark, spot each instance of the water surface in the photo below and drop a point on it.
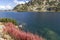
(35, 22)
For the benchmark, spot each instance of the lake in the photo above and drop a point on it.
(35, 22)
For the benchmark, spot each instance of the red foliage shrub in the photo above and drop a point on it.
(19, 34)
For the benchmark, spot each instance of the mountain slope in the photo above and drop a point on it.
(39, 6)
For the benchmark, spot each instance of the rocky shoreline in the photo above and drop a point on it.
(3, 34)
(9, 31)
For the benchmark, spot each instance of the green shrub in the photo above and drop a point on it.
(8, 20)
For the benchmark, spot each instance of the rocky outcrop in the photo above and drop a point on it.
(38, 6)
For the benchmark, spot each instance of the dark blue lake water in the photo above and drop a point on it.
(35, 21)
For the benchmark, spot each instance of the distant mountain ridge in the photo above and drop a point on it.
(39, 6)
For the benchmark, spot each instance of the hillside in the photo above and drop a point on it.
(39, 6)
